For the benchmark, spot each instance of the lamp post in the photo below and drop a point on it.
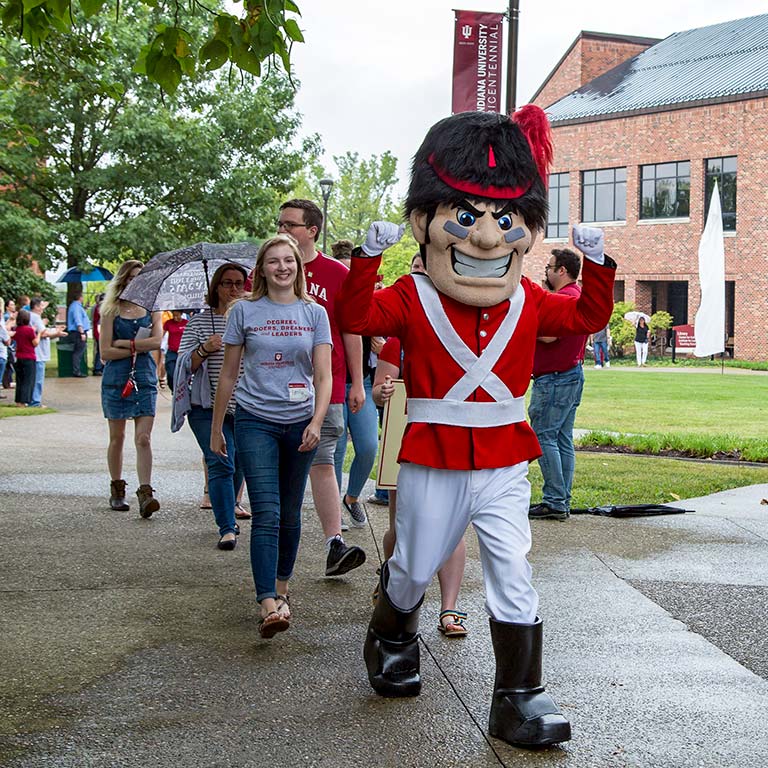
(325, 187)
(514, 23)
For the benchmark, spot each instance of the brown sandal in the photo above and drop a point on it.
(273, 623)
(283, 606)
(241, 513)
(453, 623)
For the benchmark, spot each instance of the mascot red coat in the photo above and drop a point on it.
(476, 203)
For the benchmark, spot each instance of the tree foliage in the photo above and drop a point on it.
(363, 192)
(187, 38)
(94, 168)
(622, 331)
(18, 281)
(397, 259)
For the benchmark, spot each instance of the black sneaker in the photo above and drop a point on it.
(342, 558)
(356, 513)
(543, 512)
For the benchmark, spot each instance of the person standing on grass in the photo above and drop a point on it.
(43, 350)
(78, 326)
(27, 340)
(558, 382)
(600, 342)
(641, 342)
(283, 339)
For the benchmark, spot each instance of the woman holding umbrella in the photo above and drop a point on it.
(641, 341)
(129, 385)
(201, 352)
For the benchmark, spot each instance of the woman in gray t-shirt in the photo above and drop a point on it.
(283, 339)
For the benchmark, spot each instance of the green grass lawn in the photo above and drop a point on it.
(699, 414)
(8, 409)
(691, 403)
(619, 479)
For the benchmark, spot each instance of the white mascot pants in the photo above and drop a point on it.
(434, 509)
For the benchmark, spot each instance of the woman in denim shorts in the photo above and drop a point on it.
(126, 329)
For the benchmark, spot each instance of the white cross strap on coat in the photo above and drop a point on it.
(454, 408)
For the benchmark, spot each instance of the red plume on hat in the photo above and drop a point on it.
(534, 124)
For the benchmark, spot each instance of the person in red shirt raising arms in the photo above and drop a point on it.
(558, 381)
(476, 202)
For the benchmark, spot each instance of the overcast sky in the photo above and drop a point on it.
(375, 75)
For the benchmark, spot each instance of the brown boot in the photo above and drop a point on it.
(147, 504)
(117, 496)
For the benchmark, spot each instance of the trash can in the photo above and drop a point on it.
(64, 352)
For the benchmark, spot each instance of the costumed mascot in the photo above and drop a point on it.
(476, 202)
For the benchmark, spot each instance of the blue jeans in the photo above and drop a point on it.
(37, 391)
(170, 367)
(364, 428)
(552, 411)
(3, 363)
(601, 352)
(224, 474)
(276, 475)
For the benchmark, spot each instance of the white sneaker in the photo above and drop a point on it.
(598, 366)
(607, 364)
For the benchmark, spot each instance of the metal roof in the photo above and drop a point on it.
(714, 63)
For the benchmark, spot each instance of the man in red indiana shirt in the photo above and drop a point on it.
(303, 221)
(476, 202)
(558, 381)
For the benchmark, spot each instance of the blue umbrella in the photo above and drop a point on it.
(77, 275)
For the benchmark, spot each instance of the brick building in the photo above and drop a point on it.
(641, 129)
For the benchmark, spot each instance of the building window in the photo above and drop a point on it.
(665, 190)
(557, 221)
(723, 171)
(604, 195)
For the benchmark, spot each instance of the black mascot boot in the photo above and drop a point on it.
(391, 648)
(522, 714)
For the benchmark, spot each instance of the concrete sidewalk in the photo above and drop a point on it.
(133, 643)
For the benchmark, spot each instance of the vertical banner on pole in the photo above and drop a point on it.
(477, 70)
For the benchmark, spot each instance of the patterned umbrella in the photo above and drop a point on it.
(180, 279)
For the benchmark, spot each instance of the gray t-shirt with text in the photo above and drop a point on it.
(278, 341)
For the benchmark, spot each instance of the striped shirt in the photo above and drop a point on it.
(197, 332)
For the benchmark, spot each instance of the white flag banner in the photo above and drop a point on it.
(710, 319)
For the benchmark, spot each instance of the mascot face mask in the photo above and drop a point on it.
(477, 199)
(474, 250)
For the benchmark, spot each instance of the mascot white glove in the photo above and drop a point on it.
(381, 234)
(589, 240)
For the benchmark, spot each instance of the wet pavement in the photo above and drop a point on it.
(133, 643)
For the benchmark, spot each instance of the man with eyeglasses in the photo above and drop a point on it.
(303, 220)
(558, 381)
